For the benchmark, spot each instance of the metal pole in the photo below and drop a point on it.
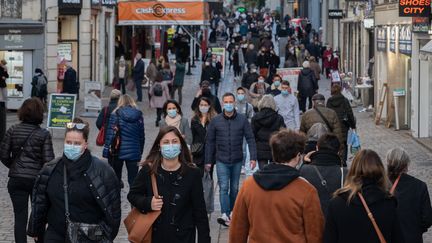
(192, 47)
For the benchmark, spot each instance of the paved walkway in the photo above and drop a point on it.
(374, 137)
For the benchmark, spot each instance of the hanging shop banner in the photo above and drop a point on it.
(218, 56)
(414, 8)
(92, 97)
(69, 7)
(420, 24)
(61, 110)
(335, 14)
(393, 37)
(405, 39)
(290, 75)
(163, 13)
(382, 39)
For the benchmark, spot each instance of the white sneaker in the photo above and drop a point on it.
(224, 220)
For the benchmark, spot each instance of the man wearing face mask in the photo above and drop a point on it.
(275, 88)
(204, 91)
(224, 144)
(251, 55)
(288, 107)
(211, 74)
(250, 77)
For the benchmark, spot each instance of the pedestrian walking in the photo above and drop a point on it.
(276, 204)
(182, 206)
(324, 169)
(326, 59)
(257, 90)
(318, 121)
(39, 85)
(212, 75)
(242, 105)
(3, 76)
(275, 88)
(167, 76)
(71, 84)
(365, 190)
(138, 75)
(205, 91)
(178, 80)
(238, 60)
(250, 77)
(288, 107)
(76, 187)
(413, 202)
(264, 123)
(127, 125)
(342, 107)
(315, 67)
(307, 86)
(25, 148)
(152, 71)
(173, 116)
(203, 115)
(224, 144)
(159, 94)
(263, 61)
(251, 56)
(121, 73)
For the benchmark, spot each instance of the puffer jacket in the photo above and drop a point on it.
(99, 176)
(307, 84)
(343, 109)
(224, 141)
(131, 133)
(37, 151)
(311, 117)
(264, 123)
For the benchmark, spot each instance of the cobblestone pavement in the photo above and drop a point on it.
(374, 137)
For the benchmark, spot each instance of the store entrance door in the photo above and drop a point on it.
(20, 70)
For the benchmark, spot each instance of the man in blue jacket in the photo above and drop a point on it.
(138, 75)
(224, 143)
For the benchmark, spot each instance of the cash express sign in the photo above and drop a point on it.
(414, 8)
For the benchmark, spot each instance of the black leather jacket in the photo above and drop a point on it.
(37, 151)
(106, 192)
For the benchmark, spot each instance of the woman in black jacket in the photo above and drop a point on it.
(204, 113)
(347, 217)
(342, 107)
(414, 206)
(92, 188)
(25, 148)
(182, 206)
(264, 124)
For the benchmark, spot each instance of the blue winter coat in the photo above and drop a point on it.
(224, 141)
(131, 133)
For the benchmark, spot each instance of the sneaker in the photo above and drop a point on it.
(224, 220)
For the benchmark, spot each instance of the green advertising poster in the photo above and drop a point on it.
(61, 110)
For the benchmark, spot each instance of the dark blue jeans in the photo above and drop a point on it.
(228, 175)
(131, 166)
(138, 89)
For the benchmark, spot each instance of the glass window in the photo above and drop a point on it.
(19, 9)
(15, 69)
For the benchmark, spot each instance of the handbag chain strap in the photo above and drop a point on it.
(65, 188)
(372, 219)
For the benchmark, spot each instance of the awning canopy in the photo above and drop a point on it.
(163, 13)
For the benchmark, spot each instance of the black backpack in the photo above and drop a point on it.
(157, 90)
(41, 86)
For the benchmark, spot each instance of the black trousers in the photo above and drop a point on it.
(20, 191)
(302, 102)
(159, 112)
(122, 85)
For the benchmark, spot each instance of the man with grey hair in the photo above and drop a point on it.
(70, 82)
(288, 107)
(307, 86)
(138, 75)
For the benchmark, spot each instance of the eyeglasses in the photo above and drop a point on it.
(79, 126)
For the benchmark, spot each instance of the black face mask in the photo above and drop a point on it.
(206, 92)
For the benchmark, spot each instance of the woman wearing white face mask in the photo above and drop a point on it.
(180, 200)
(91, 194)
(257, 90)
(173, 116)
(199, 123)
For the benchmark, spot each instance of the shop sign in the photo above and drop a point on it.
(414, 8)
(92, 98)
(163, 13)
(290, 75)
(70, 7)
(109, 3)
(368, 23)
(393, 37)
(64, 51)
(405, 40)
(399, 92)
(61, 110)
(420, 24)
(335, 14)
(382, 39)
(241, 9)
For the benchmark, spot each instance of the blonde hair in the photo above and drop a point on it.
(366, 165)
(267, 101)
(125, 100)
(115, 94)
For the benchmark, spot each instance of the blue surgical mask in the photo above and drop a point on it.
(204, 109)
(240, 97)
(284, 92)
(276, 83)
(172, 113)
(170, 151)
(229, 107)
(72, 152)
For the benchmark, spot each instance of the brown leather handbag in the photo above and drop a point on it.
(139, 225)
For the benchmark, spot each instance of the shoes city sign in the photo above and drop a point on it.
(414, 8)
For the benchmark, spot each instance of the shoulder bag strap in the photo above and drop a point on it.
(154, 186)
(24, 144)
(342, 176)
(323, 181)
(324, 119)
(65, 189)
(392, 190)
(372, 219)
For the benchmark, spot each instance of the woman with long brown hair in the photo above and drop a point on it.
(182, 206)
(366, 188)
